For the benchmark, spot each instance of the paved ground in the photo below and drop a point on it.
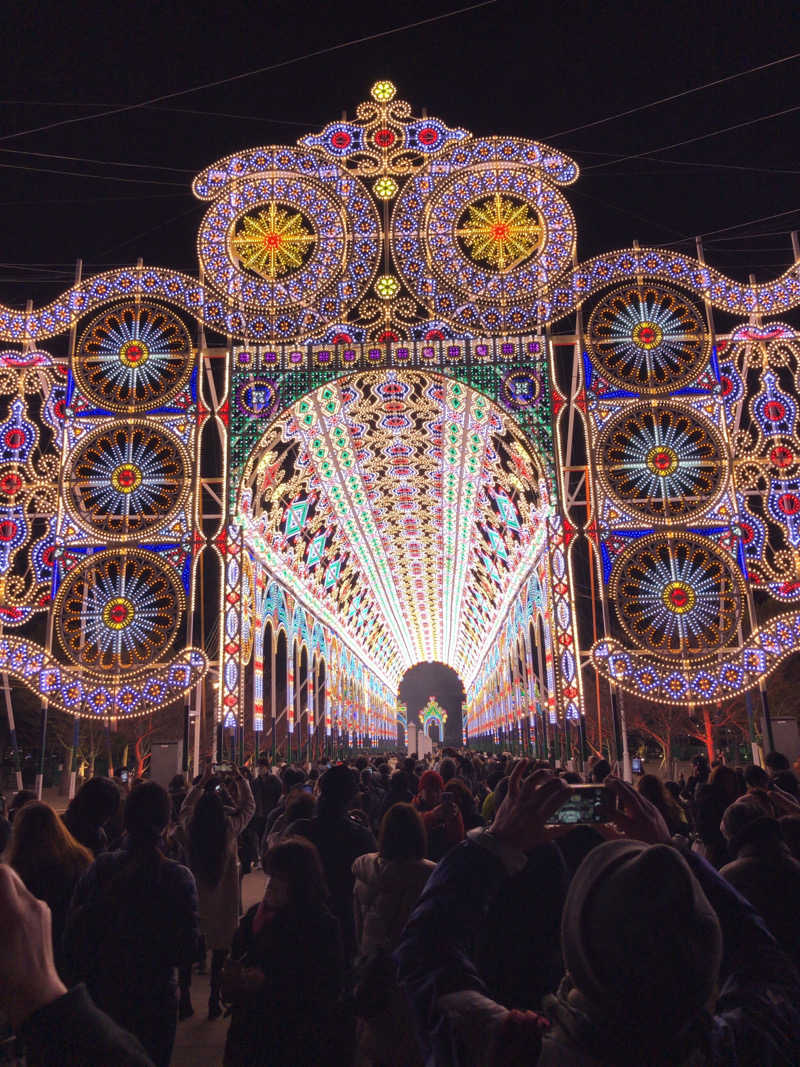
(200, 1043)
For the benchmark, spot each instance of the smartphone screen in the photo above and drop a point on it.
(585, 804)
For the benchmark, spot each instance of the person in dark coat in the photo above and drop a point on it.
(763, 870)
(55, 1026)
(290, 969)
(340, 840)
(133, 920)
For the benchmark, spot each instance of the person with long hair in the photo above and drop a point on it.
(132, 922)
(288, 974)
(388, 884)
(212, 819)
(50, 862)
(651, 787)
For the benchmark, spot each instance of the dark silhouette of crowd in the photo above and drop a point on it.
(450, 911)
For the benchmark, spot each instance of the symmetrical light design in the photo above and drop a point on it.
(677, 595)
(273, 241)
(128, 478)
(648, 339)
(390, 488)
(501, 232)
(663, 462)
(133, 357)
(432, 713)
(119, 609)
(409, 506)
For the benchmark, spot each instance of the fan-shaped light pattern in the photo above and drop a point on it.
(404, 507)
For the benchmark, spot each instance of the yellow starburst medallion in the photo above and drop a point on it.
(501, 231)
(273, 241)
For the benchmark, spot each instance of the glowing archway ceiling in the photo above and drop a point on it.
(404, 509)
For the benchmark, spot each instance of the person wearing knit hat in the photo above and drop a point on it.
(665, 964)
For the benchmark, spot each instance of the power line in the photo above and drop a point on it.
(252, 73)
(741, 225)
(174, 110)
(700, 137)
(101, 162)
(674, 96)
(102, 177)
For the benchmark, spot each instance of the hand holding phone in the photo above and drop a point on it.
(585, 805)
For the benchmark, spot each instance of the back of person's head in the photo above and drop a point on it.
(18, 801)
(365, 778)
(746, 821)
(402, 834)
(96, 801)
(208, 838)
(263, 762)
(338, 786)
(361, 763)
(147, 811)
(409, 764)
(462, 795)
(790, 833)
(296, 860)
(756, 777)
(642, 946)
(601, 771)
(724, 780)
(652, 788)
(299, 805)
(673, 789)
(493, 777)
(447, 769)
(40, 840)
(776, 761)
(290, 777)
(572, 777)
(177, 783)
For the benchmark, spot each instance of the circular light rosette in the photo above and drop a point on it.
(677, 596)
(663, 462)
(133, 357)
(298, 241)
(481, 239)
(520, 389)
(648, 339)
(257, 397)
(128, 478)
(119, 610)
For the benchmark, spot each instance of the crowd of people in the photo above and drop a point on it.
(415, 912)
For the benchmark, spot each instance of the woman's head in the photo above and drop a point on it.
(402, 834)
(96, 801)
(40, 839)
(295, 876)
(430, 788)
(208, 838)
(300, 804)
(725, 782)
(147, 812)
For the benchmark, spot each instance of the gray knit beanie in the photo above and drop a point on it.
(640, 940)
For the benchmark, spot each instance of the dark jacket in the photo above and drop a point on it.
(294, 1018)
(73, 1032)
(766, 874)
(340, 840)
(757, 1020)
(128, 928)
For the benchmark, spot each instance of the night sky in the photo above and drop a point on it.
(536, 70)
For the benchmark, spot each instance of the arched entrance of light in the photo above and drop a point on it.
(402, 507)
(425, 684)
